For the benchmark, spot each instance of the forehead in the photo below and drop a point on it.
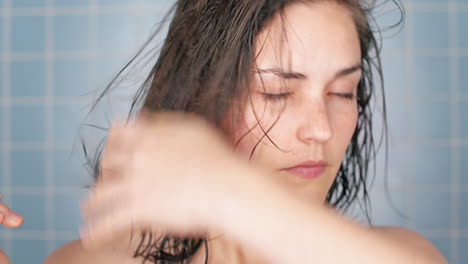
(313, 38)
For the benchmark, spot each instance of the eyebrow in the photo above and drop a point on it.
(287, 75)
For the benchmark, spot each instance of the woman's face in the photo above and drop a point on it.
(309, 63)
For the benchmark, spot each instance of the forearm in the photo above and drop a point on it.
(287, 230)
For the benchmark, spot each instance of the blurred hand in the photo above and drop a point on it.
(169, 170)
(9, 218)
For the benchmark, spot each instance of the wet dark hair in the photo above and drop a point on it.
(206, 62)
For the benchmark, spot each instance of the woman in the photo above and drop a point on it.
(288, 83)
(9, 219)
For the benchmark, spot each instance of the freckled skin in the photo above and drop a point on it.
(315, 124)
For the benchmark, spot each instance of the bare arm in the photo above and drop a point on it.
(287, 230)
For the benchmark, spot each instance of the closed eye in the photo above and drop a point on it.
(348, 96)
(276, 97)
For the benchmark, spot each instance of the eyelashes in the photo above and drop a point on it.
(276, 97)
(348, 96)
(284, 96)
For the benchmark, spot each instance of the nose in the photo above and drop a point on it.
(314, 124)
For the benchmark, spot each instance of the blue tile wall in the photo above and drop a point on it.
(463, 69)
(431, 120)
(424, 206)
(463, 247)
(71, 3)
(28, 124)
(431, 76)
(71, 77)
(28, 3)
(462, 24)
(464, 210)
(29, 251)
(67, 213)
(71, 33)
(32, 207)
(431, 29)
(28, 168)
(464, 165)
(28, 34)
(431, 165)
(69, 170)
(66, 122)
(28, 78)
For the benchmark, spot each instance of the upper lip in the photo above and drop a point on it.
(309, 163)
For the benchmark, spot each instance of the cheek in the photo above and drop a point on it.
(253, 120)
(344, 121)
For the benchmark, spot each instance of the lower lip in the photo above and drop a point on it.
(307, 172)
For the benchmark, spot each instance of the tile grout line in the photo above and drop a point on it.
(409, 68)
(454, 128)
(6, 162)
(49, 119)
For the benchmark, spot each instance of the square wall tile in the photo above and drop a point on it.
(463, 122)
(462, 24)
(32, 208)
(27, 124)
(2, 76)
(70, 170)
(28, 169)
(1, 33)
(430, 211)
(401, 163)
(28, 3)
(113, 2)
(396, 83)
(383, 212)
(67, 215)
(464, 165)
(463, 69)
(2, 175)
(28, 34)
(463, 245)
(28, 78)
(71, 33)
(431, 76)
(2, 112)
(431, 120)
(431, 1)
(431, 30)
(71, 77)
(29, 251)
(464, 210)
(399, 121)
(118, 32)
(432, 166)
(67, 121)
(71, 3)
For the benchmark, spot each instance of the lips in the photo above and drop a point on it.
(308, 169)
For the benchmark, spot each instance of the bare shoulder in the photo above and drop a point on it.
(75, 253)
(412, 239)
(4, 258)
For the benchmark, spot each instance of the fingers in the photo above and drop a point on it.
(104, 229)
(9, 218)
(106, 215)
(117, 153)
(103, 198)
